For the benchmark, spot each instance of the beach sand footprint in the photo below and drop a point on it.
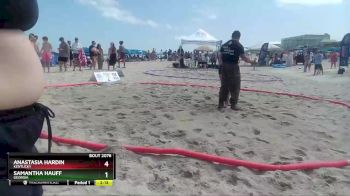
(137, 98)
(256, 131)
(300, 152)
(280, 185)
(284, 123)
(157, 123)
(323, 135)
(178, 133)
(329, 179)
(169, 116)
(289, 114)
(261, 140)
(250, 154)
(154, 134)
(232, 133)
(121, 116)
(174, 134)
(270, 117)
(192, 113)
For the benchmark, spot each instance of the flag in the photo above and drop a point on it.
(344, 50)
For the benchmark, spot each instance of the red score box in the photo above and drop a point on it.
(60, 161)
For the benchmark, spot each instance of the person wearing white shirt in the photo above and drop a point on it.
(76, 46)
(75, 50)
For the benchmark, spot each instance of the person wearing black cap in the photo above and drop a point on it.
(229, 71)
(22, 84)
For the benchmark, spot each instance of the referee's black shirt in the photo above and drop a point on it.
(231, 51)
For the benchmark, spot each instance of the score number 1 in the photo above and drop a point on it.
(106, 164)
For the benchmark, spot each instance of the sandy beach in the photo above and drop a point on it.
(271, 129)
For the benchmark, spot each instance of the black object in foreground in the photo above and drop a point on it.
(18, 14)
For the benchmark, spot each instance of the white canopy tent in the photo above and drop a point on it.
(201, 37)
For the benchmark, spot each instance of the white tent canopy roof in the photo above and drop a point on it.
(200, 37)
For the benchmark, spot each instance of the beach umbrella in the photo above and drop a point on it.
(271, 47)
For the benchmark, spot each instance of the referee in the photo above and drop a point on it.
(229, 70)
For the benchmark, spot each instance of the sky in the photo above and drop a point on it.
(147, 24)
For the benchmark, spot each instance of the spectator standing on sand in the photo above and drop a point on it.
(289, 59)
(318, 63)
(46, 53)
(311, 58)
(75, 50)
(121, 52)
(334, 59)
(70, 53)
(181, 53)
(63, 54)
(307, 61)
(36, 44)
(112, 56)
(93, 54)
(165, 54)
(33, 40)
(100, 57)
(169, 54)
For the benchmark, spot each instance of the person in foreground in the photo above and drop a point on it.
(229, 55)
(22, 83)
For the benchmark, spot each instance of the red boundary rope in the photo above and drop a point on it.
(235, 162)
(337, 102)
(70, 84)
(85, 144)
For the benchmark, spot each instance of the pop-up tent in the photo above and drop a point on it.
(201, 37)
(271, 47)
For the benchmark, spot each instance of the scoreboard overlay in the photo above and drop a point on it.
(61, 169)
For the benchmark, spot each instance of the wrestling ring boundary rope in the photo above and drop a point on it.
(203, 156)
(151, 73)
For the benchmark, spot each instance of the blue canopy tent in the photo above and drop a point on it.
(135, 52)
(54, 60)
(86, 51)
(331, 49)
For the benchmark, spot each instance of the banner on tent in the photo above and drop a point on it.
(263, 54)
